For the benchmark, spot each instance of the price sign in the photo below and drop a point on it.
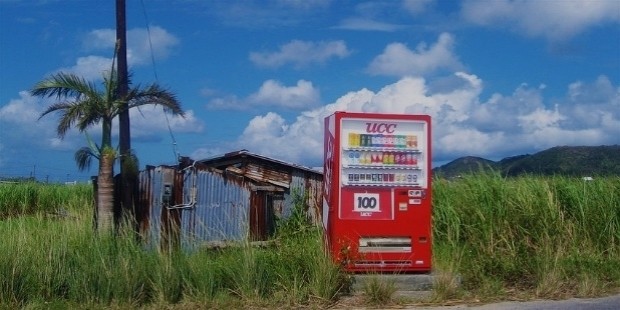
(366, 202)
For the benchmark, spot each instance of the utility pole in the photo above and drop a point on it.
(123, 120)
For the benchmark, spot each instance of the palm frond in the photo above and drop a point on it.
(155, 95)
(64, 85)
(83, 158)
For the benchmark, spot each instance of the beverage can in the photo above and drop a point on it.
(356, 177)
(356, 156)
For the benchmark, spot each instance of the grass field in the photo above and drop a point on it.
(528, 237)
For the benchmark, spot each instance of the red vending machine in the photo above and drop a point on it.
(377, 191)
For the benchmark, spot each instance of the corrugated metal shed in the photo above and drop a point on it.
(235, 197)
(289, 179)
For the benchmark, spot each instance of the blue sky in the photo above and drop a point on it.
(500, 78)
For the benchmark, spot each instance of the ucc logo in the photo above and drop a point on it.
(380, 128)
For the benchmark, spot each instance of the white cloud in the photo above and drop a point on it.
(417, 7)
(138, 50)
(139, 46)
(554, 20)
(304, 4)
(462, 124)
(398, 60)
(151, 123)
(22, 116)
(301, 54)
(540, 119)
(367, 24)
(90, 67)
(272, 93)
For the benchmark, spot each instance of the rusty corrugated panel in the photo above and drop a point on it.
(221, 211)
(170, 212)
(308, 186)
(267, 172)
(159, 176)
(144, 202)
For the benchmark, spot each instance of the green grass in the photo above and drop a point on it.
(527, 237)
(31, 198)
(47, 259)
(545, 236)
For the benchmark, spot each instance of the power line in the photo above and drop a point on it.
(175, 150)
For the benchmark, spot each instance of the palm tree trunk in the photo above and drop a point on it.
(105, 192)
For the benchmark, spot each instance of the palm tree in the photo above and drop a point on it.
(82, 105)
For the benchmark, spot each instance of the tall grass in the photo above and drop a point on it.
(59, 260)
(542, 236)
(30, 198)
(552, 236)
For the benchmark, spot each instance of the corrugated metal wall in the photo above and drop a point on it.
(207, 205)
(221, 212)
(307, 185)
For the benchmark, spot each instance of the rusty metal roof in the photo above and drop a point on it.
(231, 156)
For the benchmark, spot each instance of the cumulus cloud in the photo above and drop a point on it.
(272, 93)
(398, 60)
(140, 43)
(556, 20)
(150, 123)
(22, 115)
(367, 24)
(304, 4)
(417, 7)
(301, 54)
(138, 50)
(89, 67)
(503, 125)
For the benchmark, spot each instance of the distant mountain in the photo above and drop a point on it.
(465, 165)
(563, 160)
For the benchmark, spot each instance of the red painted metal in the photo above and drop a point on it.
(375, 220)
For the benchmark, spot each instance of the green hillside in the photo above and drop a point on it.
(560, 160)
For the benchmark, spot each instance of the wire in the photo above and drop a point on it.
(175, 150)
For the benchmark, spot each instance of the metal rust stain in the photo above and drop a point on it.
(236, 199)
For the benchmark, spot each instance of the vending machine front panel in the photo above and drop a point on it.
(379, 207)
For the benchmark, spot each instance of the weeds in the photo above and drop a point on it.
(528, 233)
(378, 291)
(546, 237)
(61, 261)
